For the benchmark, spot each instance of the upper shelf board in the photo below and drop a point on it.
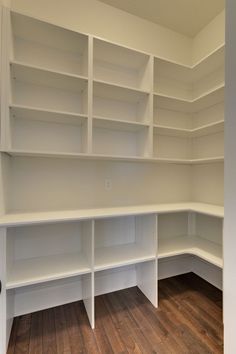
(46, 115)
(40, 76)
(15, 219)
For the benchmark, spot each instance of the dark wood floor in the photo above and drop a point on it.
(188, 320)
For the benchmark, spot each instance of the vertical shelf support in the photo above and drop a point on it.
(88, 279)
(146, 272)
(90, 95)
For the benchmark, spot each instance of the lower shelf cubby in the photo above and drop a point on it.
(42, 253)
(143, 275)
(125, 240)
(189, 233)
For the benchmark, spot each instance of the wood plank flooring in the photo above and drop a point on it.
(188, 320)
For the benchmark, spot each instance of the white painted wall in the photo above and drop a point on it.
(94, 17)
(209, 38)
(230, 183)
(52, 184)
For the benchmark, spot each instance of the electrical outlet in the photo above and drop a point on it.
(108, 184)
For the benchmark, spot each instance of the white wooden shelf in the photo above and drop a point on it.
(47, 115)
(94, 156)
(118, 92)
(121, 255)
(208, 99)
(207, 129)
(43, 269)
(43, 76)
(197, 246)
(107, 123)
(121, 87)
(14, 219)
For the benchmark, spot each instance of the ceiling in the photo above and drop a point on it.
(184, 16)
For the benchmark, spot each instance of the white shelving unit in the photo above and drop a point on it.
(56, 76)
(72, 95)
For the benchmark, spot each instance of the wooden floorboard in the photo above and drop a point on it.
(188, 321)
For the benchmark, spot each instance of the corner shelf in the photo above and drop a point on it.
(203, 101)
(206, 129)
(197, 246)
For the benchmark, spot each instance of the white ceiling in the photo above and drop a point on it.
(185, 16)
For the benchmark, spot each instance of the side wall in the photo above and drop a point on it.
(230, 183)
(209, 38)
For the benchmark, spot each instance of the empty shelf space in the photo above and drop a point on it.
(120, 103)
(120, 142)
(35, 87)
(194, 73)
(189, 83)
(124, 240)
(42, 269)
(113, 90)
(42, 44)
(171, 131)
(120, 255)
(197, 246)
(116, 124)
(203, 101)
(122, 66)
(59, 132)
(38, 75)
(207, 129)
(47, 115)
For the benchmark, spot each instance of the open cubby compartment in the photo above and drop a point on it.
(120, 139)
(121, 241)
(122, 66)
(59, 132)
(47, 252)
(189, 83)
(208, 146)
(171, 119)
(143, 275)
(42, 44)
(118, 103)
(168, 145)
(36, 88)
(190, 233)
(210, 116)
(33, 298)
